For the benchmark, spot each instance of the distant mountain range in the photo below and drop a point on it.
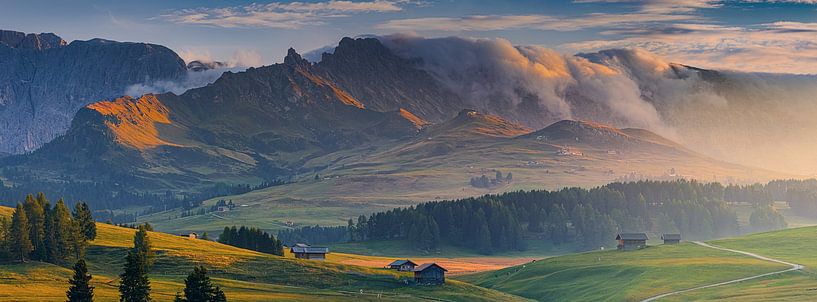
(364, 110)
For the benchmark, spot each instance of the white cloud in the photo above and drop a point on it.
(781, 47)
(278, 15)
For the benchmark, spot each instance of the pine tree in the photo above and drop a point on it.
(80, 290)
(36, 220)
(134, 285)
(199, 288)
(5, 237)
(20, 241)
(142, 246)
(61, 234)
(85, 220)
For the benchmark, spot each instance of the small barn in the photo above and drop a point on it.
(671, 238)
(191, 235)
(403, 265)
(430, 274)
(631, 241)
(305, 251)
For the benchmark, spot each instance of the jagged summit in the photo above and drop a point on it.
(293, 58)
(15, 39)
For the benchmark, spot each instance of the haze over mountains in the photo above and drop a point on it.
(373, 101)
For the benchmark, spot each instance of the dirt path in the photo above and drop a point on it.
(794, 267)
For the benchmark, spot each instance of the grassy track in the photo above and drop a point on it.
(622, 276)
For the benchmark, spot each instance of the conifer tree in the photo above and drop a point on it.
(134, 285)
(199, 288)
(36, 221)
(142, 245)
(61, 234)
(80, 290)
(20, 242)
(85, 220)
(5, 237)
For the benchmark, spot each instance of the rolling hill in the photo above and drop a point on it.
(632, 276)
(438, 162)
(244, 275)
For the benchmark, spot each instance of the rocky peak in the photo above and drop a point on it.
(15, 39)
(294, 59)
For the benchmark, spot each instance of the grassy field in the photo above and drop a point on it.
(621, 276)
(244, 275)
(798, 245)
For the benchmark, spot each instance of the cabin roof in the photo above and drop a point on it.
(401, 262)
(305, 248)
(426, 266)
(631, 236)
(671, 237)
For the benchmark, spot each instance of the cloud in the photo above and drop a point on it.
(784, 47)
(664, 6)
(537, 22)
(758, 119)
(278, 15)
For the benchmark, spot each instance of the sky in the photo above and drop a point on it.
(746, 35)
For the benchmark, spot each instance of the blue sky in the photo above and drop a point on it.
(750, 35)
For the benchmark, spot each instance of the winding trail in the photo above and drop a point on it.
(794, 267)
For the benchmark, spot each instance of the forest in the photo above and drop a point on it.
(587, 218)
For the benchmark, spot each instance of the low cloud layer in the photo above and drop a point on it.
(757, 119)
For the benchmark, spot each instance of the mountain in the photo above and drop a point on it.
(44, 81)
(246, 127)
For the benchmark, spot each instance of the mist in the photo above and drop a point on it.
(757, 119)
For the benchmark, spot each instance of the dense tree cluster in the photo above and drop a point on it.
(314, 235)
(486, 182)
(766, 218)
(199, 288)
(38, 231)
(588, 217)
(252, 239)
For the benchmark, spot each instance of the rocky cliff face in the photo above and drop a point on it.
(257, 124)
(44, 81)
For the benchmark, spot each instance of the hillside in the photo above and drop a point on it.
(438, 163)
(622, 276)
(794, 245)
(244, 275)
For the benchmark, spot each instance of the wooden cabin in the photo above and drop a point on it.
(671, 238)
(191, 235)
(430, 274)
(305, 251)
(403, 265)
(631, 241)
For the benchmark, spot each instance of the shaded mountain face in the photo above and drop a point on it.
(44, 81)
(248, 126)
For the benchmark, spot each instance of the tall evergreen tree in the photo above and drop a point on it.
(61, 234)
(5, 238)
(85, 220)
(36, 220)
(20, 241)
(199, 288)
(134, 285)
(142, 246)
(81, 289)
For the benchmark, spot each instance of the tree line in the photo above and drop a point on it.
(38, 231)
(587, 218)
(251, 238)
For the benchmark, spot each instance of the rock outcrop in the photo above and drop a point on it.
(44, 81)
